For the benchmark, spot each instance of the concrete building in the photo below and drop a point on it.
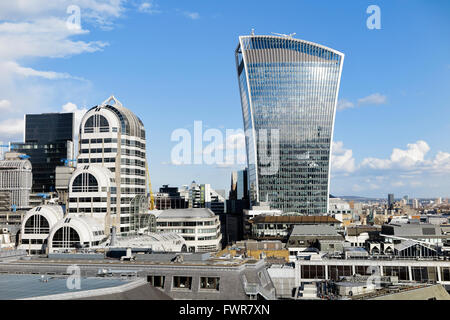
(200, 227)
(151, 242)
(260, 209)
(407, 271)
(184, 276)
(279, 227)
(325, 238)
(340, 210)
(203, 196)
(62, 180)
(357, 236)
(16, 179)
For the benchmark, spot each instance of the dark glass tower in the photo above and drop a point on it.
(289, 89)
(48, 140)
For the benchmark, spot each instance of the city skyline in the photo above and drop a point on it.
(392, 103)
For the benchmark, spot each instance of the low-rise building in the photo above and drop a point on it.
(200, 227)
(279, 227)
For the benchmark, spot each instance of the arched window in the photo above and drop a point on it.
(37, 224)
(66, 237)
(85, 182)
(96, 121)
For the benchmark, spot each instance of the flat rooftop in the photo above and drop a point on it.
(13, 286)
(186, 213)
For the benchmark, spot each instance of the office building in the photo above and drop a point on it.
(203, 196)
(113, 137)
(107, 190)
(279, 227)
(48, 139)
(390, 201)
(289, 89)
(16, 179)
(170, 198)
(236, 204)
(200, 227)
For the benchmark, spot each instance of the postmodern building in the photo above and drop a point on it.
(107, 191)
(289, 89)
(113, 137)
(48, 139)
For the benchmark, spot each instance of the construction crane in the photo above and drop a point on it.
(152, 199)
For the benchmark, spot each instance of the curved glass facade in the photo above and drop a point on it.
(289, 89)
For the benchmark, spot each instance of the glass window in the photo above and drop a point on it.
(156, 281)
(181, 282)
(211, 283)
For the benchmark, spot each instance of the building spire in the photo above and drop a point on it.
(114, 99)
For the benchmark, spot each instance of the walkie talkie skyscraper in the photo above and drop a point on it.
(289, 91)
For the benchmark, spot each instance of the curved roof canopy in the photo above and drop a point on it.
(130, 124)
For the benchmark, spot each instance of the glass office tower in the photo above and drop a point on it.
(289, 89)
(48, 139)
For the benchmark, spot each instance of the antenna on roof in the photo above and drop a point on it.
(253, 31)
(285, 35)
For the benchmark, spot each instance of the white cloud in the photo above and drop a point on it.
(398, 184)
(5, 105)
(411, 158)
(100, 12)
(192, 15)
(14, 68)
(11, 127)
(78, 114)
(45, 37)
(344, 104)
(342, 159)
(373, 99)
(34, 29)
(149, 7)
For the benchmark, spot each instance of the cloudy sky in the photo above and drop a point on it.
(172, 63)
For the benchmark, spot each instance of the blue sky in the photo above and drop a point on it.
(172, 63)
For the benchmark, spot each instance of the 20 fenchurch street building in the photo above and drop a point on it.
(289, 90)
